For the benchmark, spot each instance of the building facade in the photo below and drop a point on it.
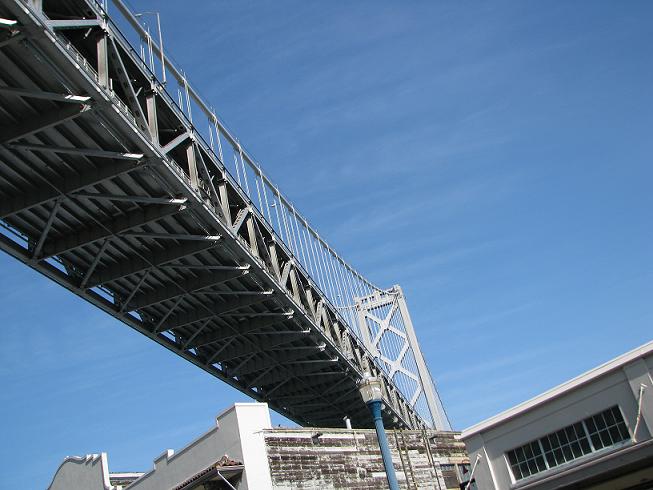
(348, 459)
(591, 432)
(242, 451)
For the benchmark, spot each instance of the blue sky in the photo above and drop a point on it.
(492, 158)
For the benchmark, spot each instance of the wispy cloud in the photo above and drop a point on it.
(475, 323)
(491, 394)
(486, 369)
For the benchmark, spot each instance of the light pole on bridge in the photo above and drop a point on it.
(370, 389)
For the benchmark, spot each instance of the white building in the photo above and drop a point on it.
(591, 432)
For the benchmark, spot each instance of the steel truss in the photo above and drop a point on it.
(109, 189)
(388, 333)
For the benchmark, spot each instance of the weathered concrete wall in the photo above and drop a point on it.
(347, 459)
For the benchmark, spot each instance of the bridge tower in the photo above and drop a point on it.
(388, 333)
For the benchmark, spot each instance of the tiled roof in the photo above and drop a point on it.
(224, 463)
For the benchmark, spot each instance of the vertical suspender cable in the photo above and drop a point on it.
(237, 170)
(276, 205)
(242, 165)
(308, 253)
(217, 136)
(265, 195)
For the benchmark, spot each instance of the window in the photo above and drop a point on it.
(592, 434)
(565, 445)
(526, 460)
(607, 428)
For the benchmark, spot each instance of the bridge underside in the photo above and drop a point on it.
(107, 189)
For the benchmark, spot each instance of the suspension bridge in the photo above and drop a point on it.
(121, 184)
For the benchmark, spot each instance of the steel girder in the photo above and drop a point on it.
(99, 197)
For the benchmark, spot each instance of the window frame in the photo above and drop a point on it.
(586, 433)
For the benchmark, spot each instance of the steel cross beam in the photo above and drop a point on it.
(268, 340)
(66, 182)
(156, 258)
(184, 287)
(242, 328)
(91, 152)
(116, 226)
(39, 94)
(11, 132)
(215, 310)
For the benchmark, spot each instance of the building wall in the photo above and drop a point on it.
(253, 418)
(619, 386)
(238, 434)
(90, 473)
(341, 459)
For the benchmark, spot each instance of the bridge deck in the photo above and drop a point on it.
(109, 190)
